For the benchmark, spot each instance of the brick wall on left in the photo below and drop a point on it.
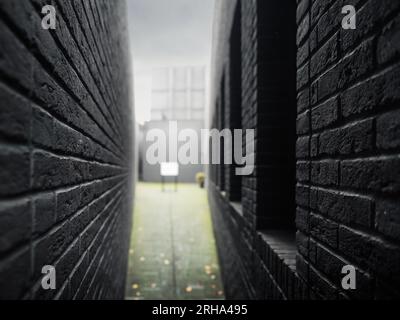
(65, 149)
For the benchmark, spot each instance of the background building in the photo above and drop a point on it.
(178, 94)
(151, 173)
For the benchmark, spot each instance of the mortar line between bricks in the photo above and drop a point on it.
(31, 170)
(375, 31)
(74, 156)
(47, 67)
(35, 193)
(112, 126)
(78, 263)
(340, 190)
(363, 230)
(353, 119)
(277, 286)
(324, 278)
(16, 89)
(107, 48)
(63, 51)
(103, 246)
(378, 70)
(381, 70)
(310, 134)
(372, 74)
(87, 252)
(335, 252)
(112, 94)
(314, 23)
(109, 72)
(17, 249)
(374, 155)
(61, 155)
(87, 32)
(345, 260)
(244, 275)
(56, 226)
(345, 257)
(113, 218)
(69, 59)
(113, 204)
(322, 49)
(323, 12)
(38, 282)
(61, 290)
(318, 49)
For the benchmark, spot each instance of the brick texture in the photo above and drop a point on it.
(325, 189)
(349, 215)
(266, 102)
(65, 145)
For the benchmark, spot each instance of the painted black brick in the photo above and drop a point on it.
(65, 145)
(354, 182)
(258, 265)
(347, 154)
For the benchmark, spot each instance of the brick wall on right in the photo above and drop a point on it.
(348, 147)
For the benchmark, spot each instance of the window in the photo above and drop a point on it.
(276, 115)
(159, 100)
(180, 78)
(160, 79)
(198, 100)
(198, 78)
(179, 100)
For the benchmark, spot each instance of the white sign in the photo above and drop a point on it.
(169, 169)
(203, 149)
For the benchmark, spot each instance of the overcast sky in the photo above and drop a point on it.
(167, 33)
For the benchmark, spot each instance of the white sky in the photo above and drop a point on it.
(166, 33)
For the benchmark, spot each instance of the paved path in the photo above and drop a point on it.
(173, 254)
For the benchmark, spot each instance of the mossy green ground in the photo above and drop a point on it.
(173, 253)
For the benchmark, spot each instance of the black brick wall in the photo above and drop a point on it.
(348, 147)
(65, 146)
(265, 102)
(340, 204)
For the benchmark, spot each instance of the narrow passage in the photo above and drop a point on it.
(173, 253)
